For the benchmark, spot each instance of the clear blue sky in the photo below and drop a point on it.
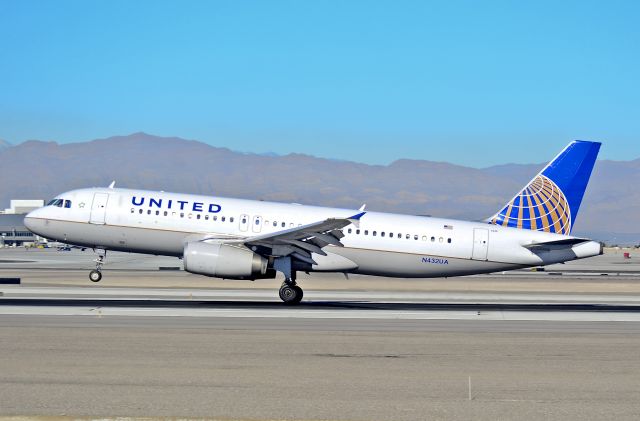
(475, 83)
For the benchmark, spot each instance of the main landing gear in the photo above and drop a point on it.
(289, 292)
(96, 274)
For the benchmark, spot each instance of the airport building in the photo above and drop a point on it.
(12, 229)
(22, 206)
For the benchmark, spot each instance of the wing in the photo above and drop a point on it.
(300, 242)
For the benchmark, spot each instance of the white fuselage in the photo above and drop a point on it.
(383, 244)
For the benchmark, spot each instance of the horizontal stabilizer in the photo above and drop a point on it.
(565, 242)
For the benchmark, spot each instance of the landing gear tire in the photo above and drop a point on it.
(95, 276)
(291, 294)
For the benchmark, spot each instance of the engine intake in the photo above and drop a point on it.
(223, 261)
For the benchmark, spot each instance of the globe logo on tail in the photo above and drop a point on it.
(541, 206)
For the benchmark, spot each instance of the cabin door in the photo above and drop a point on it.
(99, 208)
(480, 244)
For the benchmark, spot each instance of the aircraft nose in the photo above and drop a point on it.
(28, 220)
(32, 219)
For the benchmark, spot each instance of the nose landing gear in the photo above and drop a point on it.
(96, 274)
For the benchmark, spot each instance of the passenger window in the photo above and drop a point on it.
(222, 218)
(206, 217)
(390, 235)
(284, 224)
(275, 223)
(189, 216)
(215, 217)
(449, 240)
(67, 204)
(231, 219)
(366, 232)
(408, 236)
(357, 232)
(382, 234)
(349, 230)
(415, 237)
(140, 212)
(149, 212)
(374, 233)
(399, 235)
(244, 220)
(166, 213)
(181, 214)
(433, 239)
(157, 213)
(133, 210)
(198, 216)
(424, 238)
(441, 239)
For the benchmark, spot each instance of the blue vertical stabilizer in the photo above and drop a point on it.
(550, 202)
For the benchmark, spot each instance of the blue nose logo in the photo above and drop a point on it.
(541, 206)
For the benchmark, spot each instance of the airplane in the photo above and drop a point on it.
(248, 239)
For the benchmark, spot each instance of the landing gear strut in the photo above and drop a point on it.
(289, 292)
(96, 274)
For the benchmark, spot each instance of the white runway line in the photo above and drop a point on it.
(270, 295)
(493, 315)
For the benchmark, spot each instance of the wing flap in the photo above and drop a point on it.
(301, 242)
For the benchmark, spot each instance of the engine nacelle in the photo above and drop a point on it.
(223, 261)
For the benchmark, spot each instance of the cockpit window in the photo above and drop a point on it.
(56, 202)
(60, 203)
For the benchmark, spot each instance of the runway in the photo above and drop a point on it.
(328, 369)
(155, 343)
(104, 302)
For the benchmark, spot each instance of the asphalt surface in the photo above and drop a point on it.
(318, 369)
(155, 343)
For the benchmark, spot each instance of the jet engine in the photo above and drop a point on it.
(224, 261)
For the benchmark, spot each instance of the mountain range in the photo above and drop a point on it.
(36, 169)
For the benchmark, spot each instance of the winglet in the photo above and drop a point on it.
(355, 219)
(357, 216)
(113, 184)
(362, 207)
